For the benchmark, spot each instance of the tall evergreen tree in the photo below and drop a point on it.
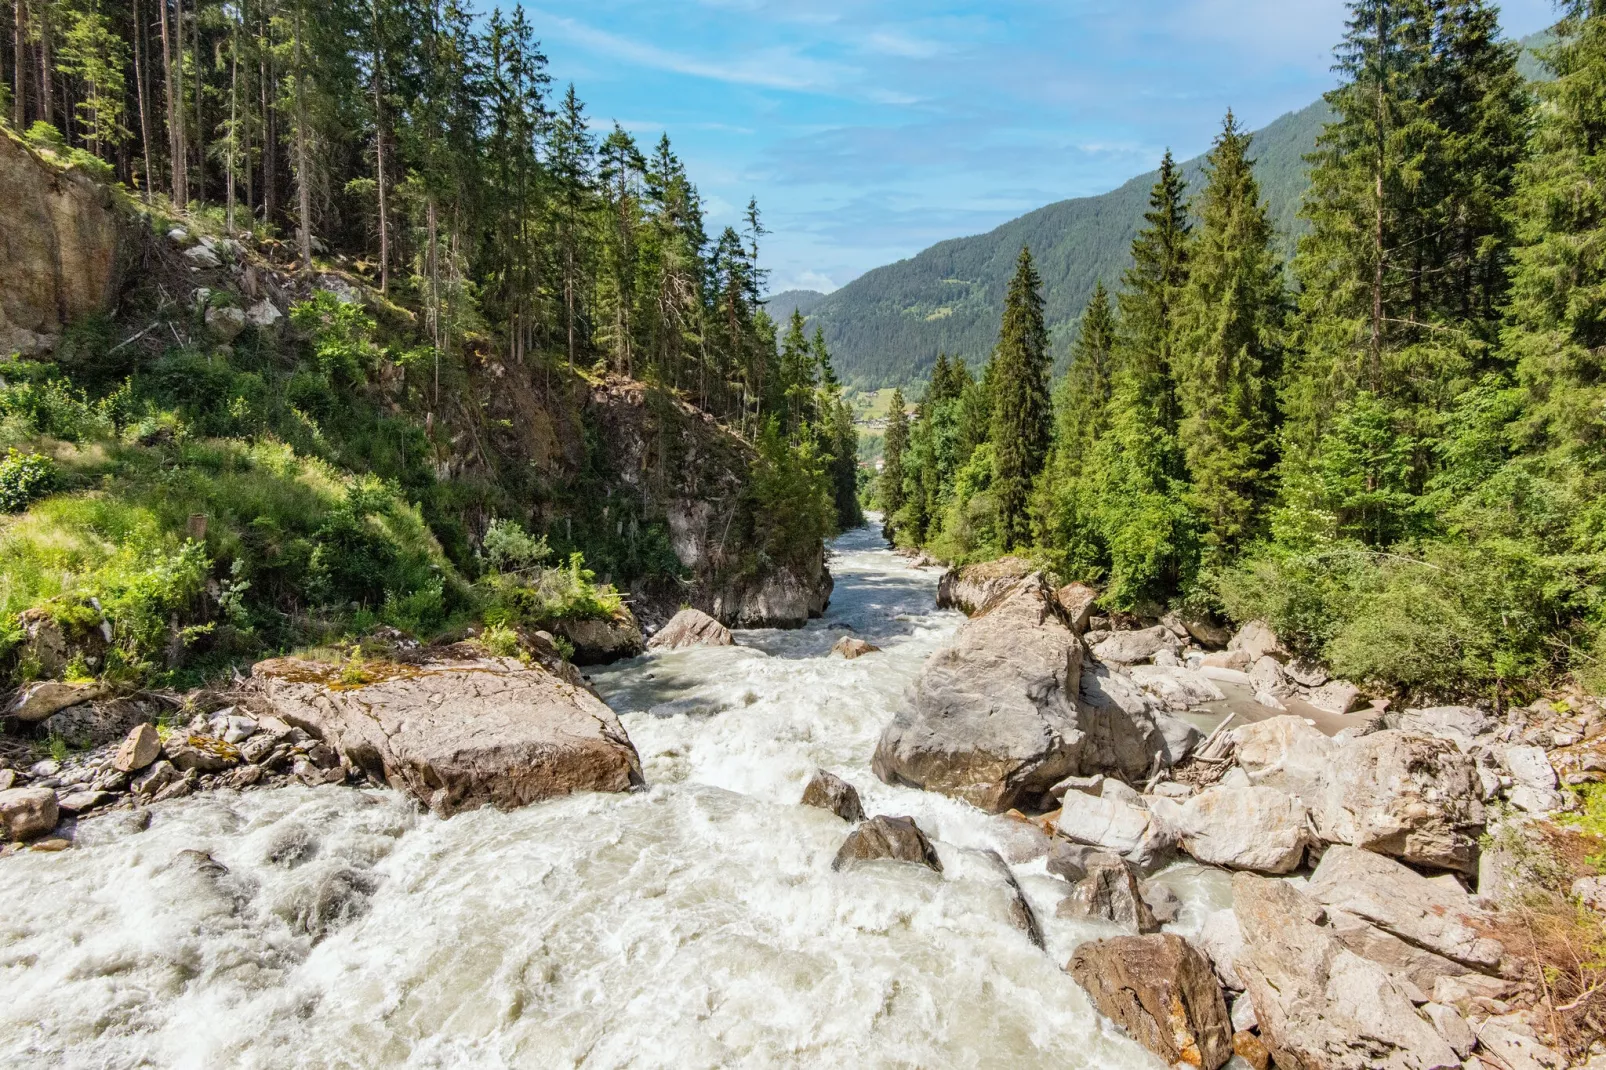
(1022, 414)
(1084, 391)
(890, 491)
(1151, 292)
(1229, 338)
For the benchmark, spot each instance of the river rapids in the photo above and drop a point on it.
(695, 924)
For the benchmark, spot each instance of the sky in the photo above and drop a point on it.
(870, 129)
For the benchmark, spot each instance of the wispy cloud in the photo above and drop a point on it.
(776, 67)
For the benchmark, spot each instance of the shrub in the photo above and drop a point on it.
(509, 548)
(24, 479)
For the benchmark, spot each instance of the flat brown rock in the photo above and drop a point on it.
(458, 735)
(1160, 989)
(897, 838)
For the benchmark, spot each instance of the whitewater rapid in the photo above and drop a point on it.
(695, 924)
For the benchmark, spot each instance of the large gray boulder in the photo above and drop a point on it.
(601, 642)
(1461, 725)
(1412, 797)
(691, 627)
(37, 702)
(1129, 648)
(1110, 891)
(971, 588)
(1431, 913)
(458, 734)
(1174, 687)
(1254, 828)
(1257, 640)
(1111, 825)
(1321, 1006)
(27, 813)
(1160, 990)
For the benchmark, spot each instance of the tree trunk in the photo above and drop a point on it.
(234, 121)
(270, 135)
(303, 152)
(379, 156)
(175, 130)
(19, 66)
(1377, 194)
(200, 127)
(45, 88)
(144, 112)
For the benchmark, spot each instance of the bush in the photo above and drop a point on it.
(509, 548)
(24, 479)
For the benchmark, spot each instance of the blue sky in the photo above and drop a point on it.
(869, 129)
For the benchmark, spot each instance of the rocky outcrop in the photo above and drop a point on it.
(691, 627)
(63, 244)
(831, 792)
(784, 596)
(1109, 824)
(601, 642)
(971, 588)
(1077, 600)
(1110, 891)
(1256, 640)
(1129, 648)
(1319, 1005)
(1160, 990)
(1415, 798)
(38, 702)
(999, 715)
(1254, 828)
(458, 734)
(895, 838)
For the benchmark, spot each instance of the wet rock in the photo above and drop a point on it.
(104, 828)
(27, 813)
(178, 789)
(830, 792)
(1021, 914)
(1164, 904)
(459, 734)
(691, 627)
(1435, 914)
(37, 702)
(971, 588)
(1110, 892)
(896, 838)
(1160, 990)
(601, 642)
(851, 647)
(1254, 828)
(1071, 861)
(1321, 1006)
(1129, 648)
(1257, 640)
(203, 754)
(142, 747)
(247, 776)
(1077, 600)
(335, 898)
(1412, 797)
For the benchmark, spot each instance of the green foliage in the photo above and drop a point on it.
(543, 596)
(509, 548)
(1022, 416)
(24, 479)
(789, 499)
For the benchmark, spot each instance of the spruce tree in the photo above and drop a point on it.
(1083, 394)
(1022, 413)
(1228, 346)
(892, 474)
(1149, 299)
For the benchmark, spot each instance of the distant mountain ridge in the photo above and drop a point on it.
(886, 327)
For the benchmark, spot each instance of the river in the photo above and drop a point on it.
(695, 924)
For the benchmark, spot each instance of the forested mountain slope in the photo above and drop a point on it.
(886, 327)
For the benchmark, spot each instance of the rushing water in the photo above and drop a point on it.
(695, 924)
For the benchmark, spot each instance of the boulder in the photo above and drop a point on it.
(851, 647)
(896, 838)
(1320, 1006)
(95, 724)
(1461, 725)
(1164, 904)
(263, 315)
(993, 718)
(781, 596)
(37, 702)
(1434, 914)
(1257, 640)
(1207, 633)
(1516, 1049)
(1021, 914)
(1129, 648)
(1414, 969)
(1412, 797)
(157, 778)
(201, 753)
(1231, 660)
(1110, 892)
(1071, 861)
(1335, 696)
(225, 322)
(1132, 737)
(1306, 673)
(1534, 787)
(1266, 677)
(142, 747)
(971, 588)
(1221, 939)
(459, 734)
(600, 642)
(691, 627)
(1175, 688)
(1254, 828)
(203, 255)
(1113, 826)
(1077, 600)
(1452, 1027)
(832, 793)
(27, 813)
(1160, 990)
(79, 802)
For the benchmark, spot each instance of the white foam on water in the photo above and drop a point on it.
(695, 924)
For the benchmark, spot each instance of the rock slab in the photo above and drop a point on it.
(461, 734)
(1161, 991)
(831, 792)
(691, 627)
(896, 838)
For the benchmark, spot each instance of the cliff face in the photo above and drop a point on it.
(62, 249)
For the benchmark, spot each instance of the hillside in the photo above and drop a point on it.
(781, 305)
(886, 327)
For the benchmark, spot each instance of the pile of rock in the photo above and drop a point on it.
(226, 748)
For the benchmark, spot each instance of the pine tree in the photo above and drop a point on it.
(1149, 298)
(1084, 391)
(570, 155)
(1022, 413)
(890, 491)
(1229, 337)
